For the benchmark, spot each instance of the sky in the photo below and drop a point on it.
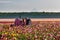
(29, 5)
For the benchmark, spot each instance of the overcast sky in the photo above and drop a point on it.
(29, 5)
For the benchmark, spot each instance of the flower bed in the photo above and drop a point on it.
(37, 31)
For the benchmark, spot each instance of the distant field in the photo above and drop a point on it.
(34, 20)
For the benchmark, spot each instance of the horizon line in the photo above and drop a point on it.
(29, 11)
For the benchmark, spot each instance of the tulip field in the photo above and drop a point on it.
(42, 30)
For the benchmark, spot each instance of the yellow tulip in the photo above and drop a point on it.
(6, 32)
(15, 38)
(13, 34)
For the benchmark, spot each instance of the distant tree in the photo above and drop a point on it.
(43, 11)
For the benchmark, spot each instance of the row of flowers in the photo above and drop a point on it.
(39, 31)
